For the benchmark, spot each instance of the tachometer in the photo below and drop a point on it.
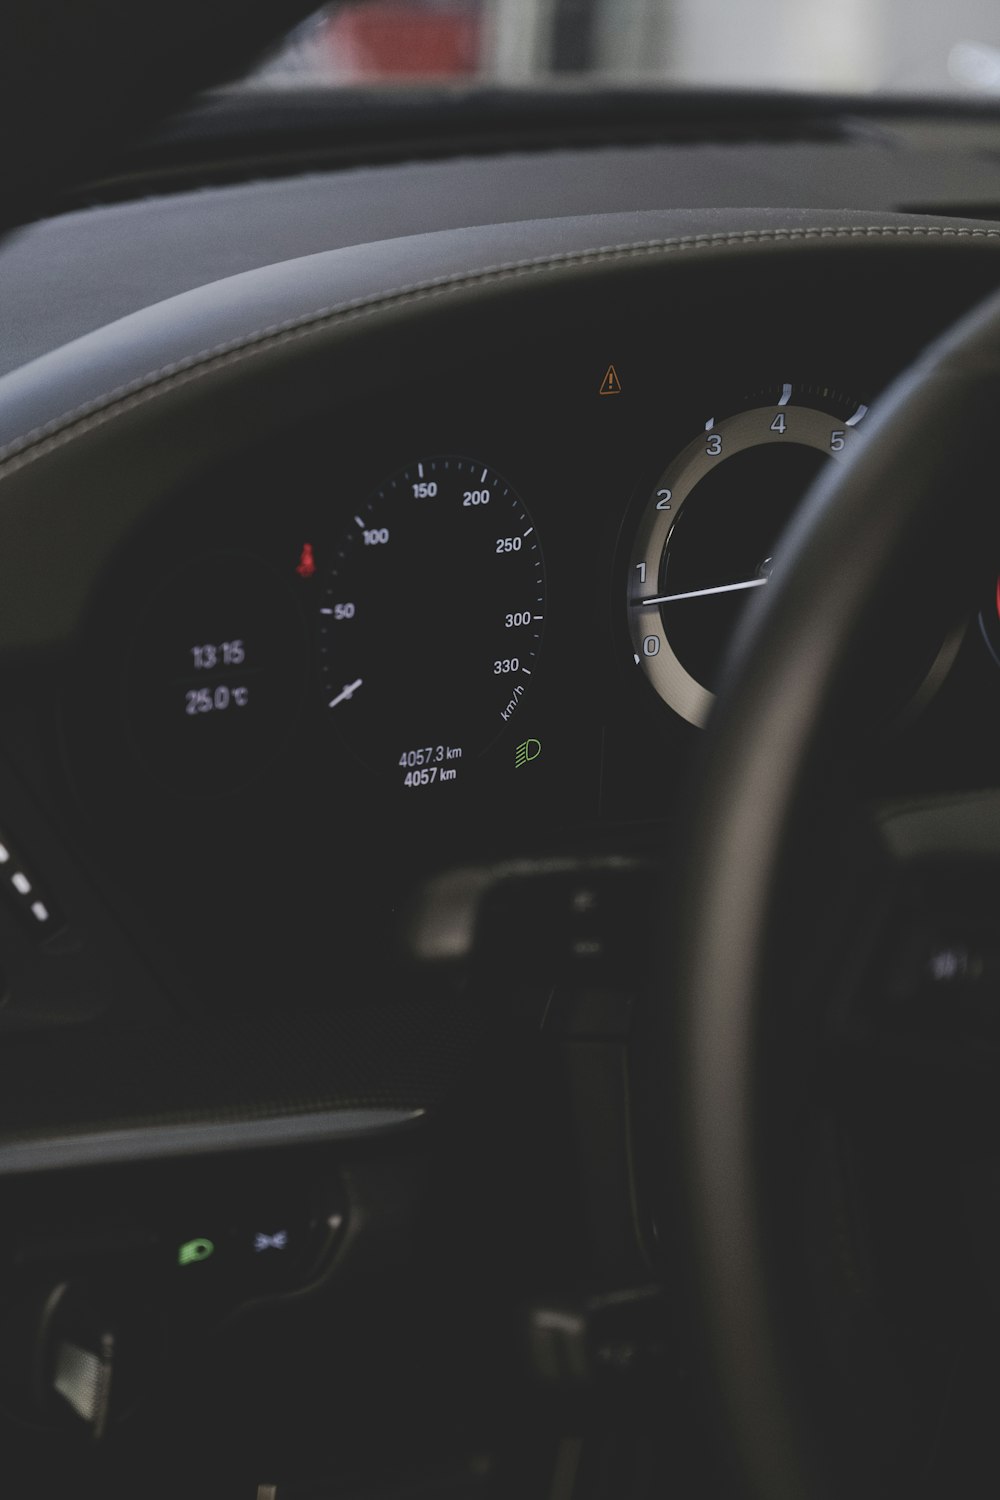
(704, 541)
(431, 619)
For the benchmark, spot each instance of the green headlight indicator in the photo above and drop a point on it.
(194, 1250)
(526, 752)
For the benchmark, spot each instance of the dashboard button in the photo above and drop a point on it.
(199, 1262)
(277, 1247)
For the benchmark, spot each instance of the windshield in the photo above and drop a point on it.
(858, 46)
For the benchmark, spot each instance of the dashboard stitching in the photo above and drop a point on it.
(20, 452)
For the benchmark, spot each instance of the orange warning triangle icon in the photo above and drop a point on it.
(610, 385)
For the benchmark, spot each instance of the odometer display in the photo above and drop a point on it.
(431, 620)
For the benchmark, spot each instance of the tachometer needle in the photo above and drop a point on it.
(346, 693)
(723, 588)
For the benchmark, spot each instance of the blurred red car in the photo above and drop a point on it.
(402, 39)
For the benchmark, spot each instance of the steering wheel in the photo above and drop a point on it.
(794, 894)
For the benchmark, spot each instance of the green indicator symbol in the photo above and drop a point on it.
(527, 751)
(193, 1251)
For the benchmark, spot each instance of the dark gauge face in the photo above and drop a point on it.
(706, 537)
(216, 674)
(431, 620)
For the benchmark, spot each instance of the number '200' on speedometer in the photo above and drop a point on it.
(431, 620)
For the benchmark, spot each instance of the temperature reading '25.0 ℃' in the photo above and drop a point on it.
(431, 620)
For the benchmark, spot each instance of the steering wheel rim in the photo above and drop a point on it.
(765, 755)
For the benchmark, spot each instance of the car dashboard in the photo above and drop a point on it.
(413, 630)
(433, 613)
(360, 619)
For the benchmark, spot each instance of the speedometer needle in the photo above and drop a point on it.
(723, 588)
(346, 693)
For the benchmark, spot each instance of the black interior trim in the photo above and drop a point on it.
(104, 1148)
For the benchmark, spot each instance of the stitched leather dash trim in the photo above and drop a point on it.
(35, 444)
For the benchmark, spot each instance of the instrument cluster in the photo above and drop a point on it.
(482, 613)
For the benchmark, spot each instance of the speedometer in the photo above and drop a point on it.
(431, 619)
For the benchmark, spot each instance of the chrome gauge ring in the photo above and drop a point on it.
(705, 539)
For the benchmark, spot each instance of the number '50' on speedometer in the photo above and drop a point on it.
(432, 614)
